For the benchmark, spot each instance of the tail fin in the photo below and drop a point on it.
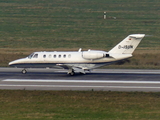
(128, 45)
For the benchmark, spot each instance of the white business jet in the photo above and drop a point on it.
(80, 61)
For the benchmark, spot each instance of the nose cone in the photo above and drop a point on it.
(13, 63)
(16, 63)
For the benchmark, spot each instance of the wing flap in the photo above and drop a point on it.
(74, 67)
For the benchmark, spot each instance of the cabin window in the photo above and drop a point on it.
(69, 56)
(50, 56)
(59, 56)
(64, 56)
(35, 56)
(54, 56)
(44, 56)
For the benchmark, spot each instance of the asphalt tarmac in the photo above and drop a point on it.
(97, 80)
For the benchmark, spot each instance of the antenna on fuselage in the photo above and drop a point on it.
(80, 49)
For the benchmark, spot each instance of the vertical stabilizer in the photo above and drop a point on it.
(128, 45)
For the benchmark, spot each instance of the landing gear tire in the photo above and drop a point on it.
(24, 71)
(72, 73)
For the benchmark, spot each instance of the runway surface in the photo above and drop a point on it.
(97, 80)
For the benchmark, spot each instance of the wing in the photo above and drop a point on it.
(74, 67)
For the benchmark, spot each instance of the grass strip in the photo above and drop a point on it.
(78, 105)
(27, 26)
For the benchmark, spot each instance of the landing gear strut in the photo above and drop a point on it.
(24, 71)
(71, 72)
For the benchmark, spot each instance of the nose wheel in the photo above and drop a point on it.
(24, 71)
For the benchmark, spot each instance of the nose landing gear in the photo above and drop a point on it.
(24, 71)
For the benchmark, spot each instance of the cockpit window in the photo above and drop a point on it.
(30, 56)
(35, 56)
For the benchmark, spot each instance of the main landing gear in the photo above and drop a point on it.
(24, 71)
(71, 72)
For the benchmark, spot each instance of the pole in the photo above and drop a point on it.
(104, 15)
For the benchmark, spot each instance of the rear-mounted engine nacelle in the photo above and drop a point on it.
(93, 55)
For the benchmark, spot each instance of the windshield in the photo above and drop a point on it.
(30, 56)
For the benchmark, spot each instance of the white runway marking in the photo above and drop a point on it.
(80, 84)
(75, 86)
(81, 81)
